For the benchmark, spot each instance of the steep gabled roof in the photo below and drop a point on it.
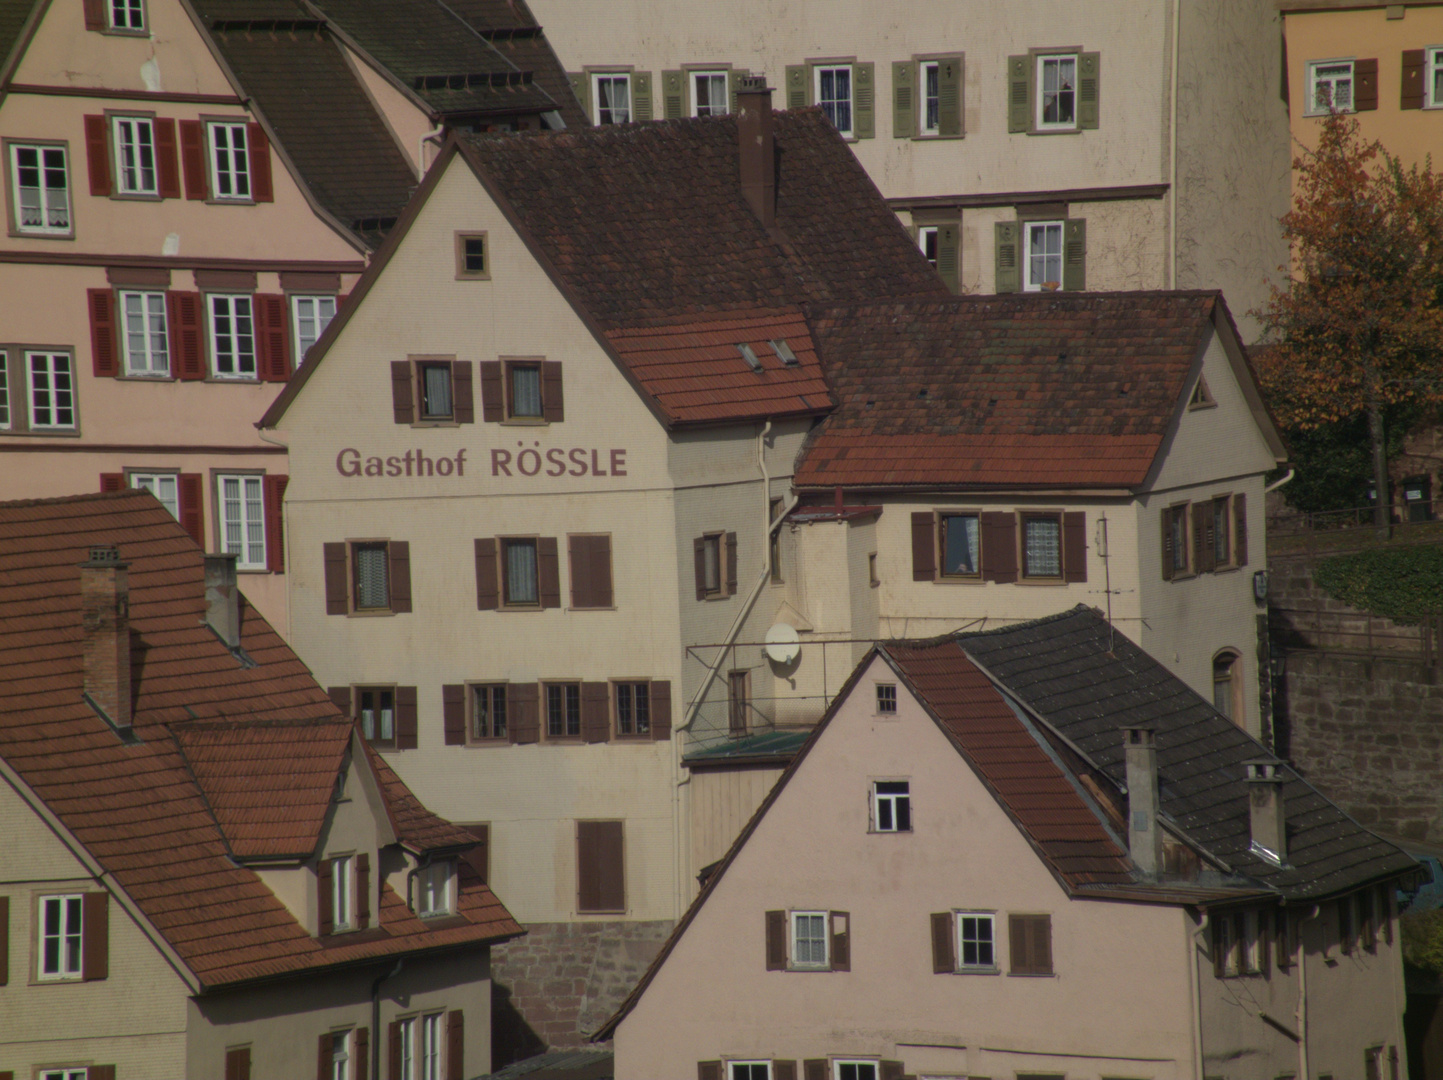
(511, 27)
(163, 823)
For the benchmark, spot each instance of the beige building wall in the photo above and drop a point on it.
(813, 851)
(722, 801)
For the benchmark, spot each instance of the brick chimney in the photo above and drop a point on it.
(222, 598)
(1267, 815)
(1144, 838)
(105, 620)
(754, 138)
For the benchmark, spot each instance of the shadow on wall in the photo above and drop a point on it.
(512, 1039)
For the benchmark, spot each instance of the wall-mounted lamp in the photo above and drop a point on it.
(1260, 586)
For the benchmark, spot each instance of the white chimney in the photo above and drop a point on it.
(1267, 816)
(222, 598)
(1144, 838)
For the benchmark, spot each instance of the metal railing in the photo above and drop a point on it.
(1355, 633)
(1334, 532)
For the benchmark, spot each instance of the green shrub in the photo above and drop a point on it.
(1404, 584)
(1422, 933)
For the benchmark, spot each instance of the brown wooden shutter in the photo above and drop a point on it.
(552, 406)
(493, 402)
(273, 490)
(904, 99)
(524, 722)
(1200, 552)
(708, 1070)
(1089, 89)
(323, 1058)
(784, 1070)
(325, 915)
(187, 356)
(104, 350)
(578, 551)
(1019, 93)
(97, 153)
(167, 160)
(1074, 255)
(949, 95)
(799, 86)
(595, 711)
(273, 333)
(814, 1069)
(100, 1072)
(260, 160)
(4, 940)
(112, 481)
(405, 718)
(924, 548)
(1074, 545)
(892, 1070)
(238, 1063)
(1167, 558)
(393, 1050)
(192, 159)
(1240, 529)
(190, 488)
(660, 709)
(1040, 950)
(94, 14)
(341, 698)
(600, 874)
(548, 564)
(453, 713)
(455, 1045)
(841, 941)
(338, 595)
(1413, 72)
(776, 941)
(402, 409)
(488, 587)
(731, 566)
(399, 552)
(999, 547)
(1006, 275)
(944, 956)
(1022, 941)
(1365, 85)
(362, 1048)
(601, 591)
(698, 550)
(363, 890)
(463, 398)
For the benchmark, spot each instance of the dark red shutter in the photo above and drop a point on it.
(95, 936)
(97, 153)
(274, 336)
(400, 557)
(924, 547)
(192, 159)
(661, 709)
(698, 550)
(338, 594)
(4, 940)
(100, 1072)
(455, 1045)
(324, 896)
(112, 481)
(167, 164)
(104, 350)
(999, 547)
(238, 1063)
(95, 14)
(405, 718)
(549, 571)
(363, 890)
(776, 941)
(708, 1070)
(944, 958)
(595, 711)
(402, 409)
(1240, 529)
(841, 941)
(731, 566)
(273, 488)
(453, 713)
(1413, 72)
(551, 403)
(362, 1046)
(463, 400)
(1074, 545)
(1201, 562)
(815, 1069)
(393, 1044)
(493, 405)
(892, 1070)
(191, 488)
(187, 359)
(341, 698)
(488, 589)
(784, 1070)
(524, 723)
(1365, 85)
(323, 1058)
(260, 155)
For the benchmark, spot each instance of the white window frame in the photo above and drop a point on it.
(133, 14)
(68, 904)
(249, 542)
(597, 77)
(810, 965)
(890, 798)
(991, 919)
(924, 69)
(433, 889)
(750, 1065)
(926, 233)
(342, 892)
(236, 359)
(5, 403)
(1042, 61)
(341, 1045)
(156, 483)
(63, 1074)
(886, 699)
(308, 326)
(134, 135)
(433, 1044)
(406, 1048)
(55, 408)
(230, 167)
(710, 73)
(46, 208)
(1432, 66)
(850, 69)
(154, 363)
(1314, 67)
(873, 1063)
(1028, 285)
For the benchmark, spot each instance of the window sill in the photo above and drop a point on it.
(889, 832)
(958, 579)
(1056, 131)
(601, 911)
(378, 613)
(1032, 974)
(113, 32)
(610, 608)
(437, 423)
(524, 421)
(563, 740)
(994, 970)
(242, 380)
(55, 980)
(937, 138)
(1324, 114)
(36, 234)
(810, 970)
(44, 433)
(501, 740)
(253, 570)
(629, 737)
(214, 201)
(136, 196)
(1052, 582)
(145, 377)
(519, 608)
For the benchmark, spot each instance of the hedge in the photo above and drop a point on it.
(1404, 584)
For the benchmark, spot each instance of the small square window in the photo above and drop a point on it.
(40, 189)
(809, 939)
(832, 88)
(750, 1070)
(931, 99)
(959, 539)
(1043, 261)
(709, 93)
(488, 711)
(61, 931)
(563, 710)
(519, 581)
(1057, 92)
(371, 576)
(229, 161)
(633, 708)
(310, 315)
(127, 15)
(52, 390)
(1041, 546)
(1330, 87)
(433, 889)
(612, 93)
(975, 942)
(434, 390)
(891, 805)
(886, 697)
(472, 257)
(376, 710)
(133, 139)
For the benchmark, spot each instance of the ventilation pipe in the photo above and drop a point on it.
(222, 599)
(105, 621)
(1144, 838)
(1267, 817)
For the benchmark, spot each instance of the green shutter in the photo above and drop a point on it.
(641, 96)
(799, 86)
(1074, 254)
(904, 99)
(734, 82)
(1019, 93)
(864, 101)
(949, 95)
(581, 87)
(1089, 88)
(1006, 252)
(949, 255)
(673, 95)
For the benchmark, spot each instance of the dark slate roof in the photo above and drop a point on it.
(13, 14)
(1047, 388)
(1061, 668)
(560, 1065)
(513, 30)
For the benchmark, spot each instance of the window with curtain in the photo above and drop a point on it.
(371, 577)
(520, 572)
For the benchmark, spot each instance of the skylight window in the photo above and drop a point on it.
(784, 352)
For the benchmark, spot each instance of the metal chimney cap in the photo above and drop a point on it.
(105, 555)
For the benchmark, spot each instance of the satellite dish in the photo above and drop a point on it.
(782, 644)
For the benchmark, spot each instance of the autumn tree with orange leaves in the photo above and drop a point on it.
(1359, 325)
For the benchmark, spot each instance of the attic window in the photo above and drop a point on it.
(784, 353)
(472, 263)
(1201, 397)
(750, 356)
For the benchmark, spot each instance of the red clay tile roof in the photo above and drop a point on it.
(416, 827)
(137, 808)
(693, 369)
(1060, 389)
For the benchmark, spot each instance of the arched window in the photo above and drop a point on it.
(1228, 685)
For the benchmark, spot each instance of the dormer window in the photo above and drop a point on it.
(433, 889)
